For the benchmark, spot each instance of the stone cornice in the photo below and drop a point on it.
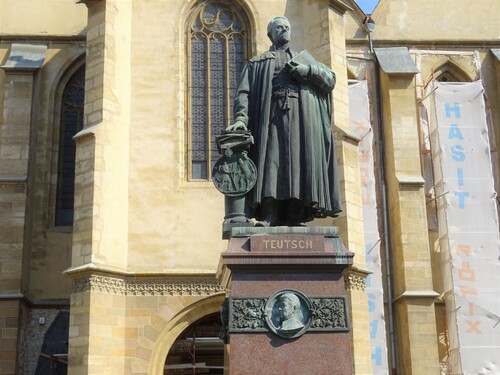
(96, 268)
(348, 137)
(8, 295)
(90, 3)
(77, 38)
(341, 6)
(416, 294)
(355, 278)
(10, 179)
(496, 53)
(92, 278)
(89, 131)
(428, 44)
(125, 286)
(411, 182)
(19, 71)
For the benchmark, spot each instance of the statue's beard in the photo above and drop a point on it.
(282, 39)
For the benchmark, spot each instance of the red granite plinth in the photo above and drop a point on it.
(262, 261)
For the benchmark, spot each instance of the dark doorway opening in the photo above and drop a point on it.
(198, 349)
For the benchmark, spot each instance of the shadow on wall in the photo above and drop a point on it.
(53, 358)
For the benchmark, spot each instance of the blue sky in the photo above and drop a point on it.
(367, 5)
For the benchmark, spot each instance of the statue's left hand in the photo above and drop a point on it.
(300, 72)
(238, 125)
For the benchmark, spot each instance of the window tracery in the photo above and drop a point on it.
(71, 123)
(218, 44)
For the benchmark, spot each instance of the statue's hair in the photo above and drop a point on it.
(295, 302)
(271, 23)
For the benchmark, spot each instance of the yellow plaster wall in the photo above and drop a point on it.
(174, 224)
(43, 18)
(437, 20)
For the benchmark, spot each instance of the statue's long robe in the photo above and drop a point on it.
(317, 171)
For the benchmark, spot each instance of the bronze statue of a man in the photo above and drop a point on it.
(284, 99)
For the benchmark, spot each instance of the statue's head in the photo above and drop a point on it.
(289, 306)
(279, 31)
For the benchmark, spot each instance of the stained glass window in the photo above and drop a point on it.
(71, 123)
(218, 45)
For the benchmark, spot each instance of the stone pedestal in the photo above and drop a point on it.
(259, 267)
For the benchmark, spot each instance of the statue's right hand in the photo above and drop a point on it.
(237, 125)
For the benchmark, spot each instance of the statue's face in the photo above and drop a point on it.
(286, 308)
(280, 31)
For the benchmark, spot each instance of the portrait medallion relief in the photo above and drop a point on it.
(288, 313)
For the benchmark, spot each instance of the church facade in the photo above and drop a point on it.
(110, 225)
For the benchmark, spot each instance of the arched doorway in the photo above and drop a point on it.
(198, 349)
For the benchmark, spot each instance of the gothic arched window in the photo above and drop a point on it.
(71, 123)
(451, 72)
(217, 49)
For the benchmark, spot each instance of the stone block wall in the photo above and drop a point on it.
(9, 332)
(126, 325)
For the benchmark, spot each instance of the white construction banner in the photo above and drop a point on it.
(359, 113)
(468, 226)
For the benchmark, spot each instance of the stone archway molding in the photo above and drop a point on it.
(177, 325)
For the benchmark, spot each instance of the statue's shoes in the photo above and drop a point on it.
(262, 224)
(297, 224)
